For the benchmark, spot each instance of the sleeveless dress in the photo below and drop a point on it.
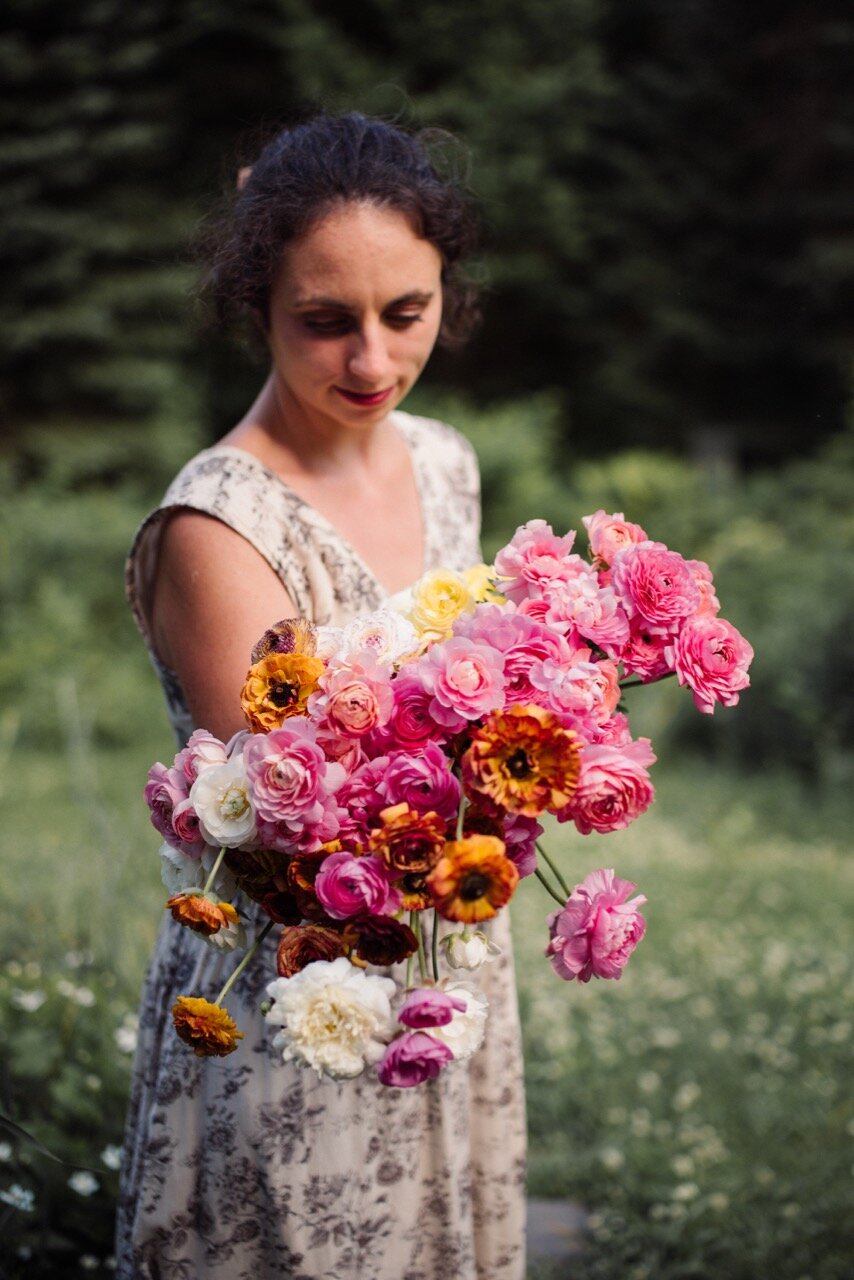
(246, 1168)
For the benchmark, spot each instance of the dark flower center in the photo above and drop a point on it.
(283, 694)
(474, 886)
(518, 765)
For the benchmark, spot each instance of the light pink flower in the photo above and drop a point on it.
(655, 583)
(413, 1058)
(712, 658)
(465, 678)
(533, 558)
(429, 1007)
(613, 789)
(586, 689)
(581, 607)
(202, 751)
(423, 780)
(355, 697)
(610, 534)
(597, 930)
(709, 603)
(348, 886)
(293, 787)
(614, 732)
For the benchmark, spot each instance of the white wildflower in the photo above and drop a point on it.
(29, 1001)
(19, 1198)
(112, 1156)
(468, 950)
(83, 1183)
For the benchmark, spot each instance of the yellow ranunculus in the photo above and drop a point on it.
(480, 580)
(438, 599)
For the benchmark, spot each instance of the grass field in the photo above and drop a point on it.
(699, 1108)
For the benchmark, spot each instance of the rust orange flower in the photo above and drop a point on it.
(407, 840)
(207, 1028)
(200, 913)
(523, 759)
(302, 944)
(473, 880)
(414, 894)
(278, 687)
(380, 940)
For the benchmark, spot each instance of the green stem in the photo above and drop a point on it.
(422, 958)
(555, 872)
(544, 882)
(464, 804)
(245, 961)
(634, 684)
(214, 869)
(411, 956)
(435, 946)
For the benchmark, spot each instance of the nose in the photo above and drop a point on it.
(369, 361)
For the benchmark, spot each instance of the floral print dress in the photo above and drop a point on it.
(247, 1168)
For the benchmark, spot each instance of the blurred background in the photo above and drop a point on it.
(667, 198)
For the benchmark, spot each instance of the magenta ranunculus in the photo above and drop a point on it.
(520, 842)
(293, 787)
(349, 886)
(712, 658)
(466, 679)
(534, 557)
(613, 789)
(410, 724)
(361, 800)
(429, 1007)
(597, 930)
(422, 779)
(610, 534)
(413, 1058)
(202, 751)
(656, 583)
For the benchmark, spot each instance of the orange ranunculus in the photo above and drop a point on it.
(414, 894)
(277, 687)
(523, 759)
(473, 880)
(205, 1027)
(200, 913)
(291, 635)
(407, 840)
(302, 944)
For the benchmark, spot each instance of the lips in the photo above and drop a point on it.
(365, 400)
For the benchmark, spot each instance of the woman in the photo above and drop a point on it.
(343, 247)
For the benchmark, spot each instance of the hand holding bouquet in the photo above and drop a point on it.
(392, 777)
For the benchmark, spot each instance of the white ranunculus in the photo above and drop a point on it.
(464, 1033)
(227, 938)
(333, 1017)
(386, 634)
(220, 796)
(328, 642)
(469, 950)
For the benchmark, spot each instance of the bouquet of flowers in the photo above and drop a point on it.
(392, 777)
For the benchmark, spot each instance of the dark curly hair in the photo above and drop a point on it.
(305, 171)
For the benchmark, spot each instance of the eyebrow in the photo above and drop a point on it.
(415, 295)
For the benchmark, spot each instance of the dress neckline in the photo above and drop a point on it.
(311, 515)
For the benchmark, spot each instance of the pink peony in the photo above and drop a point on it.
(613, 789)
(597, 930)
(429, 1007)
(610, 534)
(533, 558)
(712, 658)
(293, 787)
(202, 751)
(655, 583)
(423, 780)
(413, 1058)
(466, 680)
(349, 886)
(644, 654)
(355, 697)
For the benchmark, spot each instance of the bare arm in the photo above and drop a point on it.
(214, 595)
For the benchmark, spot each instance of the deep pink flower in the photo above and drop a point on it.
(422, 779)
(185, 823)
(712, 658)
(610, 534)
(292, 786)
(520, 841)
(613, 789)
(597, 930)
(586, 689)
(349, 886)
(413, 1058)
(614, 732)
(644, 654)
(166, 790)
(429, 1007)
(466, 680)
(533, 558)
(361, 801)
(655, 583)
(410, 724)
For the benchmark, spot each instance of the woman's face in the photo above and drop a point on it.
(354, 315)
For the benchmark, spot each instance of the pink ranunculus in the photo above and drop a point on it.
(355, 696)
(613, 789)
(534, 557)
(582, 607)
(422, 779)
(293, 787)
(413, 1058)
(614, 732)
(709, 603)
(597, 930)
(465, 678)
(712, 658)
(349, 886)
(584, 689)
(348, 752)
(202, 751)
(185, 823)
(410, 724)
(655, 583)
(535, 608)
(645, 652)
(520, 842)
(361, 801)
(164, 790)
(610, 534)
(429, 1007)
